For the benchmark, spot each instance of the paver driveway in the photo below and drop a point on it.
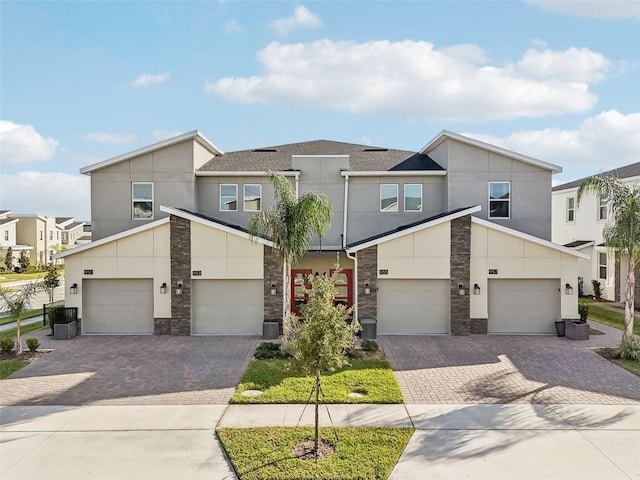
(508, 369)
(132, 370)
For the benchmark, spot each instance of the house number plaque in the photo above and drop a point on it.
(88, 272)
(493, 271)
(197, 273)
(383, 271)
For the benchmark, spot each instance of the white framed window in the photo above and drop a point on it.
(602, 265)
(228, 197)
(499, 199)
(602, 209)
(50, 234)
(41, 235)
(571, 209)
(388, 197)
(6, 235)
(252, 197)
(413, 197)
(141, 200)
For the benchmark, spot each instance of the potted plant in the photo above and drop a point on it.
(579, 329)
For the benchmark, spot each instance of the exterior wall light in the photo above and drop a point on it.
(476, 289)
(568, 289)
(367, 287)
(73, 289)
(163, 288)
(460, 289)
(179, 285)
(273, 289)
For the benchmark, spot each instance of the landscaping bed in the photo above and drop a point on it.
(611, 354)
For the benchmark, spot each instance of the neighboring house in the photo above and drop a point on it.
(70, 231)
(41, 233)
(86, 234)
(580, 227)
(8, 238)
(453, 239)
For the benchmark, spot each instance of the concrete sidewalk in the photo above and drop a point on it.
(451, 441)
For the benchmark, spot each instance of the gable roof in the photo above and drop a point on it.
(361, 157)
(627, 171)
(193, 135)
(411, 228)
(446, 134)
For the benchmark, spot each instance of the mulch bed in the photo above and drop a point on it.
(607, 352)
(306, 450)
(26, 355)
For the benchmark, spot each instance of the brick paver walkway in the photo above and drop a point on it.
(132, 370)
(509, 369)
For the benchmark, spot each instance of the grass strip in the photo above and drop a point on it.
(281, 382)
(631, 365)
(24, 316)
(7, 367)
(24, 329)
(360, 453)
(611, 318)
(16, 277)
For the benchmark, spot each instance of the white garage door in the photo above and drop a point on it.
(407, 307)
(227, 307)
(523, 306)
(117, 306)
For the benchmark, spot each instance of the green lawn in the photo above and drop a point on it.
(281, 382)
(11, 333)
(14, 277)
(611, 318)
(631, 365)
(29, 314)
(360, 453)
(7, 367)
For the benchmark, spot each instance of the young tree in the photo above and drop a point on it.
(16, 303)
(51, 281)
(290, 225)
(8, 259)
(321, 342)
(24, 261)
(622, 230)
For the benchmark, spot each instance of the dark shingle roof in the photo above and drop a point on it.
(63, 219)
(577, 243)
(6, 220)
(627, 171)
(361, 157)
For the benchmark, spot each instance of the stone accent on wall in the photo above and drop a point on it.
(368, 271)
(479, 326)
(460, 274)
(180, 248)
(162, 326)
(272, 271)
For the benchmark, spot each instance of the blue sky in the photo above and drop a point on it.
(81, 82)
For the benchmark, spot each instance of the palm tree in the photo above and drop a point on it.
(17, 302)
(290, 225)
(622, 230)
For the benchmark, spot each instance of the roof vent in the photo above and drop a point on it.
(374, 149)
(265, 150)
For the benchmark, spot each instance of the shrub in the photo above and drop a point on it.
(597, 289)
(370, 346)
(583, 311)
(6, 344)
(629, 348)
(33, 343)
(270, 350)
(580, 287)
(56, 315)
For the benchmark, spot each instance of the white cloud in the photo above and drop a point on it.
(412, 79)
(232, 27)
(114, 138)
(51, 194)
(599, 9)
(148, 80)
(165, 134)
(602, 142)
(22, 144)
(302, 17)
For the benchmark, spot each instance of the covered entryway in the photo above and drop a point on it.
(523, 305)
(227, 307)
(117, 306)
(408, 307)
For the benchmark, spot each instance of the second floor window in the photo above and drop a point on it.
(51, 235)
(602, 209)
(499, 199)
(41, 237)
(413, 197)
(142, 200)
(388, 197)
(602, 265)
(571, 209)
(252, 197)
(228, 197)
(6, 235)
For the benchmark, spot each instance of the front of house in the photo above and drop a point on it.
(453, 239)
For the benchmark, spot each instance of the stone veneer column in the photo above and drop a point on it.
(368, 270)
(180, 248)
(460, 273)
(272, 272)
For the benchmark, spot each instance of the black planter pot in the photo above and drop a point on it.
(560, 328)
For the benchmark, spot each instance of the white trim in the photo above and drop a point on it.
(584, 245)
(244, 196)
(209, 223)
(417, 228)
(11, 220)
(112, 238)
(256, 173)
(133, 201)
(530, 238)
(489, 199)
(220, 197)
(394, 173)
(570, 209)
(381, 210)
(444, 134)
(404, 196)
(195, 134)
(345, 211)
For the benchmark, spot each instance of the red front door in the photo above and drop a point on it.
(300, 285)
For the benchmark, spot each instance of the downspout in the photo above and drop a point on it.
(297, 186)
(344, 212)
(355, 284)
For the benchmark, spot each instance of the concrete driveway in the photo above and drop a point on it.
(132, 370)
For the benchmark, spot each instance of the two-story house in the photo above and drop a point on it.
(580, 227)
(452, 239)
(8, 238)
(70, 231)
(41, 233)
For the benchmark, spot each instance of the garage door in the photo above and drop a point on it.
(117, 306)
(523, 306)
(407, 307)
(227, 307)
